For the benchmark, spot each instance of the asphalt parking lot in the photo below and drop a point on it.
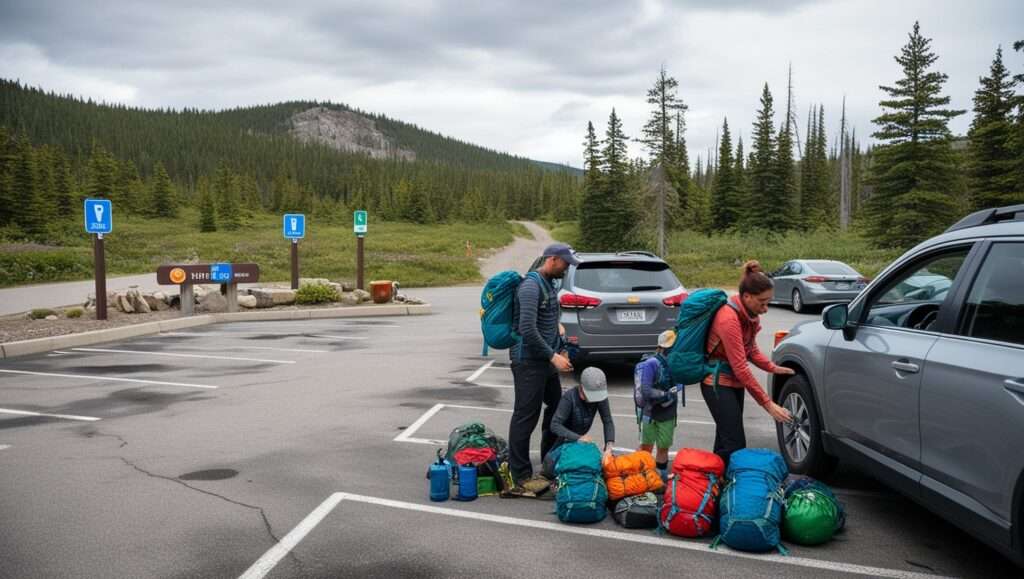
(298, 449)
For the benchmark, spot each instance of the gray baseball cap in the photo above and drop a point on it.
(594, 383)
(562, 250)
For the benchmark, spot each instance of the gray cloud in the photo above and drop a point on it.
(517, 76)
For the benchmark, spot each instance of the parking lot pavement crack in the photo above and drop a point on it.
(124, 442)
(263, 514)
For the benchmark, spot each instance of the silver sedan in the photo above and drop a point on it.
(811, 282)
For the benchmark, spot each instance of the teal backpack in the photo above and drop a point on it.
(498, 308)
(582, 496)
(687, 358)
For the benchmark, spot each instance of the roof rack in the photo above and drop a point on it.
(989, 216)
(637, 252)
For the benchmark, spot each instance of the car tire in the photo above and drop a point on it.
(801, 445)
(799, 306)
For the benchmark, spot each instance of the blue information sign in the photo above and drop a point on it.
(359, 222)
(97, 216)
(221, 273)
(294, 225)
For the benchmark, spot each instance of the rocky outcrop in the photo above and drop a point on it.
(346, 131)
(270, 297)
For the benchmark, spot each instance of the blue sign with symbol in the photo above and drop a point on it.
(294, 225)
(359, 222)
(97, 216)
(221, 273)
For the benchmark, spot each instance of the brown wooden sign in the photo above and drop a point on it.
(200, 273)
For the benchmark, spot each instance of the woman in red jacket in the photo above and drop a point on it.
(733, 340)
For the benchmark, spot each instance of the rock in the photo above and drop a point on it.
(50, 317)
(139, 303)
(124, 304)
(213, 302)
(400, 298)
(155, 304)
(349, 299)
(160, 296)
(199, 291)
(361, 295)
(269, 297)
(347, 286)
(414, 301)
(247, 301)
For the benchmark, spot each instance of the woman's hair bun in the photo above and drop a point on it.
(752, 266)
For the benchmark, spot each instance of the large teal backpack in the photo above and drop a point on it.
(687, 358)
(752, 502)
(498, 309)
(582, 495)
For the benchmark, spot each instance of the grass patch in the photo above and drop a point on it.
(73, 313)
(415, 255)
(41, 313)
(315, 293)
(702, 261)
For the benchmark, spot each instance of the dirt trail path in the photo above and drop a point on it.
(520, 254)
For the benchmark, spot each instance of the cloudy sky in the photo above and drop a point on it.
(523, 77)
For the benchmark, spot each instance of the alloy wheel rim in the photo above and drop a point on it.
(797, 434)
(798, 303)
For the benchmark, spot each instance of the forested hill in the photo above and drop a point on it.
(299, 156)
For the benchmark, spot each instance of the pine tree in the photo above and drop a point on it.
(207, 206)
(608, 215)
(162, 199)
(725, 194)
(785, 196)
(763, 179)
(64, 189)
(102, 176)
(8, 199)
(914, 165)
(225, 188)
(1017, 141)
(991, 158)
(742, 190)
(28, 209)
(680, 173)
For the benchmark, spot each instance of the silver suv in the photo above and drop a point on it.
(920, 380)
(614, 305)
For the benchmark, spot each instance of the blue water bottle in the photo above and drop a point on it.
(467, 483)
(440, 479)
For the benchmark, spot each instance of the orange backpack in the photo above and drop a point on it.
(631, 474)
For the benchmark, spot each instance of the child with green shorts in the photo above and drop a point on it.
(659, 394)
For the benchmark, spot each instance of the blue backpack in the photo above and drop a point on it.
(751, 504)
(582, 496)
(498, 308)
(687, 358)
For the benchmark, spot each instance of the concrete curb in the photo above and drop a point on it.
(39, 345)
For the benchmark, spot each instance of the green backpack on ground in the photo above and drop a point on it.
(582, 496)
(813, 514)
(476, 435)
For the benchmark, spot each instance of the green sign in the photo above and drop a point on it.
(359, 222)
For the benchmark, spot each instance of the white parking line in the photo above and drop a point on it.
(479, 371)
(243, 334)
(64, 416)
(178, 355)
(266, 563)
(108, 378)
(276, 349)
(330, 337)
(4, 446)
(405, 435)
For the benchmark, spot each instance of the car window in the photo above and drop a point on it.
(913, 297)
(995, 306)
(831, 268)
(625, 277)
(795, 268)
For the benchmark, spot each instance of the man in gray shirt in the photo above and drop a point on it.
(536, 361)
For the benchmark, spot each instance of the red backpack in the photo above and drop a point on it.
(692, 493)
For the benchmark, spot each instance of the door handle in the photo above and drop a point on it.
(906, 366)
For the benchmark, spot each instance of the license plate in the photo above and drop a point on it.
(843, 285)
(632, 316)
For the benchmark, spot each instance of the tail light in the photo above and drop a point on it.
(578, 302)
(816, 278)
(674, 301)
(779, 336)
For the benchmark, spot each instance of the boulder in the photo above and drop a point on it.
(347, 286)
(269, 297)
(247, 301)
(124, 304)
(414, 301)
(213, 302)
(361, 295)
(139, 303)
(50, 317)
(349, 299)
(155, 304)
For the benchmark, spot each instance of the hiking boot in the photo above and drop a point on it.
(549, 495)
(537, 484)
(517, 492)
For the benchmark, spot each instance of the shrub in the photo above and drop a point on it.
(315, 293)
(41, 313)
(74, 312)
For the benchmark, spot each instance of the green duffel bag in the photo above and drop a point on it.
(813, 514)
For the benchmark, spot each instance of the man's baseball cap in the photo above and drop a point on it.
(563, 251)
(594, 383)
(666, 339)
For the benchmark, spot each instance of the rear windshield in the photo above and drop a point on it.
(831, 268)
(626, 276)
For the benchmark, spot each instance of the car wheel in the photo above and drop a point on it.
(798, 302)
(800, 441)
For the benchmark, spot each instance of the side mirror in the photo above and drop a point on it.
(835, 316)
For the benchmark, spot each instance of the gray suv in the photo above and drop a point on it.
(920, 380)
(614, 305)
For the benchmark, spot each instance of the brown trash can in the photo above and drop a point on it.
(382, 291)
